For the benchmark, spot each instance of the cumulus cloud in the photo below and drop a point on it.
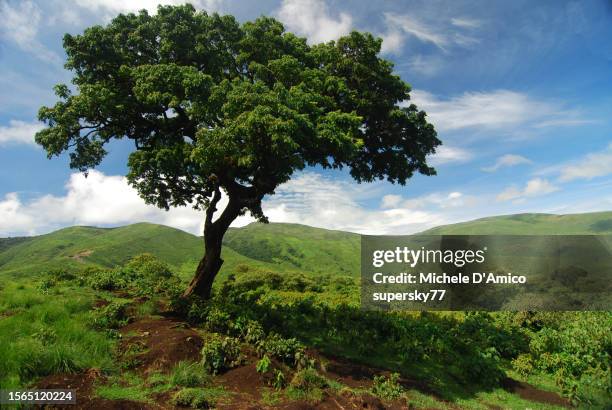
(534, 187)
(312, 19)
(309, 198)
(508, 160)
(593, 165)
(19, 132)
(497, 110)
(97, 200)
(20, 23)
(315, 200)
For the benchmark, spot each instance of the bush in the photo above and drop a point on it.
(263, 365)
(523, 364)
(221, 353)
(111, 316)
(387, 388)
(107, 279)
(308, 385)
(286, 350)
(194, 398)
(149, 266)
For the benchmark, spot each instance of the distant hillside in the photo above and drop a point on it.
(275, 246)
(596, 223)
(297, 247)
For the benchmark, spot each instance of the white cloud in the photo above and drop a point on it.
(593, 165)
(406, 24)
(20, 24)
(390, 201)
(123, 6)
(497, 110)
(442, 34)
(314, 200)
(508, 160)
(98, 200)
(466, 22)
(446, 154)
(534, 187)
(19, 132)
(312, 19)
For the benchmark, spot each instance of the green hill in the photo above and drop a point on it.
(275, 246)
(595, 223)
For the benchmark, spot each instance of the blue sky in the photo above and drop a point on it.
(518, 91)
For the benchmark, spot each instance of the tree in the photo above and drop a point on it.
(213, 105)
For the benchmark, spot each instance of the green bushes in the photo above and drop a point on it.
(387, 388)
(143, 275)
(308, 385)
(221, 353)
(111, 316)
(193, 398)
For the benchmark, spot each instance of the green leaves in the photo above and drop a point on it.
(208, 101)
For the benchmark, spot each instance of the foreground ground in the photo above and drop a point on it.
(122, 339)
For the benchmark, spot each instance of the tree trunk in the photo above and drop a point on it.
(209, 266)
(207, 269)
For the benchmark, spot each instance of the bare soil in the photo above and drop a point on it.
(159, 343)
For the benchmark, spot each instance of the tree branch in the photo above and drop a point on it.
(212, 207)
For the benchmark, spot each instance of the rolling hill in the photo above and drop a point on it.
(275, 246)
(594, 223)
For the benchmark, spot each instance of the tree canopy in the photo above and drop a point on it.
(210, 102)
(213, 105)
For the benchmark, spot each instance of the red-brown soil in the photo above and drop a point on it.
(158, 343)
(83, 384)
(161, 343)
(528, 392)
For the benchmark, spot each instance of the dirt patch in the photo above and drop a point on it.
(100, 303)
(345, 401)
(83, 384)
(7, 313)
(83, 254)
(157, 344)
(531, 393)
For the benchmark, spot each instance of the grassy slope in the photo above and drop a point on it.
(274, 246)
(287, 247)
(596, 223)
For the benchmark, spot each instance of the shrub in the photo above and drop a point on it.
(217, 320)
(387, 388)
(221, 353)
(285, 350)
(523, 364)
(194, 398)
(107, 279)
(111, 316)
(263, 365)
(308, 385)
(149, 266)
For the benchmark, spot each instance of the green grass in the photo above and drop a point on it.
(596, 223)
(43, 334)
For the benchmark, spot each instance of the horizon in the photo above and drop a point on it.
(527, 132)
(300, 224)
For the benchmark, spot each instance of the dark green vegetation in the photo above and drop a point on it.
(291, 326)
(213, 105)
